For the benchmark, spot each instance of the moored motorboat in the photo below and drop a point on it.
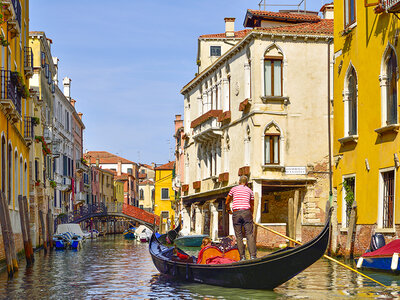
(129, 233)
(265, 272)
(143, 234)
(385, 258)
(190, 240)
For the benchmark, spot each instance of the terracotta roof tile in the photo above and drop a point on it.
(167, 166)
(284, 16)
(323, 27)
(145, 182)
(142, 176)
(238, 34)
(105, 157)
(147, 166)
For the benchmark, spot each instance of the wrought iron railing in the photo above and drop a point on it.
(29, 128)
(28, 58)
(17, 9)
(8, 88)
(389, 4)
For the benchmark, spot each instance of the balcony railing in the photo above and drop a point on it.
(17, 10)
(13, 12)
(392, 5)
(28, 61)
(29, 129)
(207, 127)
(10, 97)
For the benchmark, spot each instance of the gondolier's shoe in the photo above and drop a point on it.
(253, 257)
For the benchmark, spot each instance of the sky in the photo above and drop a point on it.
(129, 59)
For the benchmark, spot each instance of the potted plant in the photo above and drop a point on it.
(35, 121)
(53, 184)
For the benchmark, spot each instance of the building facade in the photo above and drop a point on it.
(164, 199)
(250, 113)
(366, 120)
(16, 69)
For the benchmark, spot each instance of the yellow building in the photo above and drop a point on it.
(366, 118)
(164, 200)
(119, 191)
(16, 68)
(39, 123)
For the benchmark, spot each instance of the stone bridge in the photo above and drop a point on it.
(110, 211)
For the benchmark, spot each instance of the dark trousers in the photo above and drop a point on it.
(244, 219)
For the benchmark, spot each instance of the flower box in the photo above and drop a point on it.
(223, 177)
(197, 185)
(244, 171)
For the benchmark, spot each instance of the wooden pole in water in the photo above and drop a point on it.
(24, 229)
(348, 252)
(326, 256)
(43, 230)
(50, 226)
(28, 226)
(11, 236)
(4, 232)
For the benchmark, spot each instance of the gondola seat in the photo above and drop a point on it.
(211, 251)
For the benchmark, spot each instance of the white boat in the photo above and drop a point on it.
(143, 233)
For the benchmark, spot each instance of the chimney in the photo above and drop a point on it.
(67, 87)
(153, 165)
(97, 162)
(119, 168)
(80, 115)
(178, 117)
(229, 27)
(327, 11)
(55, 78)
(73, 102)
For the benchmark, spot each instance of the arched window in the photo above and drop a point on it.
(141, 194)
(9, 175)
(350, 102)
(272, 137)
(16, 187)
(273, 72)
(26, 180)
(391, 88)
(3, 164)
(21, 177)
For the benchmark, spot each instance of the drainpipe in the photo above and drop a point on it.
(329, 121)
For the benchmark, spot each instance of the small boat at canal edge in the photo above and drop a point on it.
(129, 233)
(385, 258)
(266, 272)
(190, 240)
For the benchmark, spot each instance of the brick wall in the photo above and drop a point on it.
(19, 245)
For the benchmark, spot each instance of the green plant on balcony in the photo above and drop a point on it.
(35, 121)
(45, 148)
(3, 40)
(53, 184)
(18, 80)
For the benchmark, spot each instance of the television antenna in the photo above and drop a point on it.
(263, 4)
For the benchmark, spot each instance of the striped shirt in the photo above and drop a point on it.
(242, 195)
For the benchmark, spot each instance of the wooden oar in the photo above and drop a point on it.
(326, 256)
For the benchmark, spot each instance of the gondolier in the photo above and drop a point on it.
(242, 199)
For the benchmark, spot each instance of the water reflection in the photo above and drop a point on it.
(114, 268)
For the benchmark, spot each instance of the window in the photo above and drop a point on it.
(165, 194)
(3, 164)
(141, 194)
(349, 12)
(271, 149)
(42, 59)
(152, 194)
(391, 88)
(9, 174)
(348, 198)
(215, 50)
(16, 187)
(46, 70)
(388, 199)
(273, 76)
(350, 102)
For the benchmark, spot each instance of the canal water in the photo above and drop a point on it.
(114, 268)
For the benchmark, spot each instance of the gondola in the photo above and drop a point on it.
(265, 272)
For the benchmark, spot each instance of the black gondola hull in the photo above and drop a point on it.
(266, 272)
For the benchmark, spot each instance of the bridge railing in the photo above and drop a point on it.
(82, 212)
(114, 207)
(141, 214)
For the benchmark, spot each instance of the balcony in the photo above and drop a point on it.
(392, 6)
(13, 13)
(80, 196)
(206, 127)
(29, 132)
(28, 62)
(10, 97)
(244, 171)
(223, 177)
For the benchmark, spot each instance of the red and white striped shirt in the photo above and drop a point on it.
(241, 197)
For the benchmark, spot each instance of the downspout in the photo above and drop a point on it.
(329, 121)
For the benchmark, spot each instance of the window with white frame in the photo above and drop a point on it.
(387, 199)
(389, 88)
(164, 194)
(349, 12)
(272, 137)
(349, 195)
(350, 102)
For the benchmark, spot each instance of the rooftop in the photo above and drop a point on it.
(105, 158)
(167, 166)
